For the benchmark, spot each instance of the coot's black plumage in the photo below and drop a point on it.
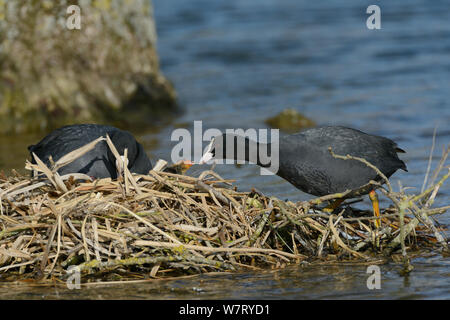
(306, 162)
(98, 162)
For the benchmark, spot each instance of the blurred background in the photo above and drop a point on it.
(237, 63)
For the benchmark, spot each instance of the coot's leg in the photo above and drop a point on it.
(376, 207)
(332, 206)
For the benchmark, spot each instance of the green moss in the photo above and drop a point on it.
(179, 250)
(102, 4)
(290, 120)
(254, 203)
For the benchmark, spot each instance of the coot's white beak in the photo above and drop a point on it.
(208, 155)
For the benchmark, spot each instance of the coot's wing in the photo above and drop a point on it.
(306, 162)
(66, 139)
(379, 151)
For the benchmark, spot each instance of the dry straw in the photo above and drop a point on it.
(164, 224)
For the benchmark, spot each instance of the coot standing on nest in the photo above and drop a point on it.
(306, 162)
(98, 162)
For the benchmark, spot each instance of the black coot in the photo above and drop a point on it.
(305, 160)
(98, 162)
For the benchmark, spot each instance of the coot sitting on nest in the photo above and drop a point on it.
(98, 162)
(306, 162)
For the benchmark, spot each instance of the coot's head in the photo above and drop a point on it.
(227, 146)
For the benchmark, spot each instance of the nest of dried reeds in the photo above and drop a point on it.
(164, 224)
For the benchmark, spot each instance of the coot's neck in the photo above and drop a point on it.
(242, 149)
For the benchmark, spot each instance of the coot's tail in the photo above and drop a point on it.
(402, 164)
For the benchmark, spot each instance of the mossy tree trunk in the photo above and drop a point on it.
(105, 72)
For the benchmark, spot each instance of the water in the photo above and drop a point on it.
(429, 280)
(235, 63)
